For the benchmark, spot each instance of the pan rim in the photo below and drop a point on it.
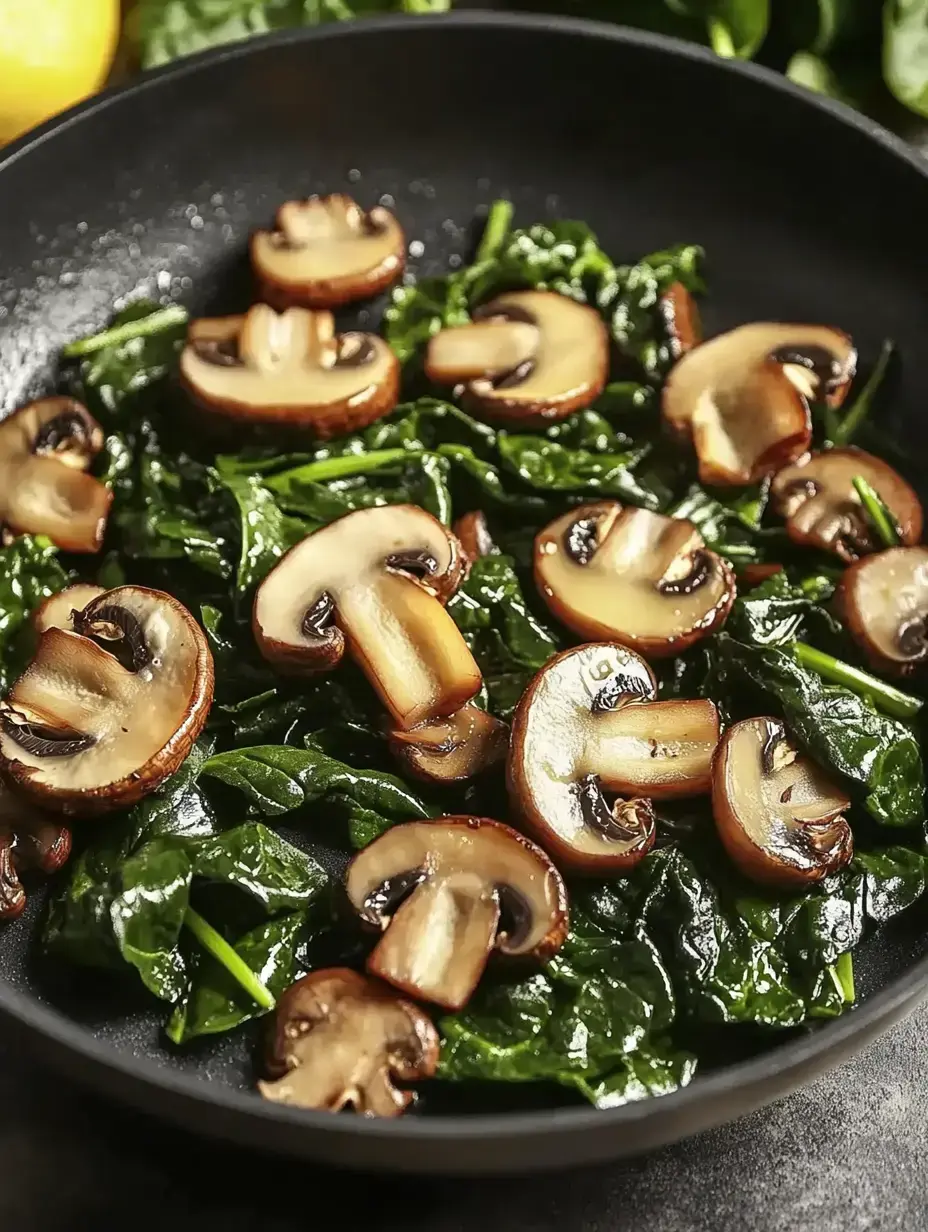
(825, 1043)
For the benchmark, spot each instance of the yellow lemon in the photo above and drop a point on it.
(53, 53)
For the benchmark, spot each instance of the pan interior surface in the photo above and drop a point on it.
(803, 215)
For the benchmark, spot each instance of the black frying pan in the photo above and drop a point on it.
(807, 211)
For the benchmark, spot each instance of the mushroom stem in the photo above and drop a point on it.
(879, 516)
(886, 698)
(842, 973)
(144, 327)
(842, 432)
(499, 220)
(224, 954)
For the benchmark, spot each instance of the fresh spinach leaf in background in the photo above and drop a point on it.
(30, 572)
(905, 52)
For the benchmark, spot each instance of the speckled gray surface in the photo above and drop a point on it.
(846, 1154)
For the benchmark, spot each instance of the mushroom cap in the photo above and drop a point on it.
(818, 499)
(341, 1038)
(628, 575)
(446, 893)
(588, 724)
(327, 251)
(56, 611)
(29, 839)
(777, 813)
(473, 534)
(528, 357)
(289, 371)
(742, 397)
(355, 572)
(884, 601)
(454, 748)
(84, 730)
(46, 449)
(680, 314)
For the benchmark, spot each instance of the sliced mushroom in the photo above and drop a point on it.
(455, 748)
(341, 1038)
(29, 839)
(374, 580)
(682, 322)
(822, 509)
(327, 251)
(46, 449)
(743, 397)
(884, 600)
(474, 536)
(588, 725)
(445, 894)
(105, 712)
(628, 575)
(57, 611)
(777, 813)
(289, 371)
(528, 357)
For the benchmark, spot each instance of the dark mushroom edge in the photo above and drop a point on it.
(591, 748)
(445, 894)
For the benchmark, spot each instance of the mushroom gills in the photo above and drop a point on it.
(778, 814)
(438, 942)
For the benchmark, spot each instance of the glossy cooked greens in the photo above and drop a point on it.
(658, 965)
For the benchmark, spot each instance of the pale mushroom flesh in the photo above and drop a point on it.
(527, 355)
(589, 730)
(884, 598)
(374, 580)
(106, 711)
(452, 749)
(822, 508)
(342, 1039)
(327, 251)
(617, 573)
(46, 450)
(447, 892)
(777, 813)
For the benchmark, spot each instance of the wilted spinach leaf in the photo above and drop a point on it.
(30, 572)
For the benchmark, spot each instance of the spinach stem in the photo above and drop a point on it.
(224, 954)
(842, 973)
(886, 698)
(338, 468)
(144, 327)
(720, 38)
(877, 513)
(842, 431)
(499, 220)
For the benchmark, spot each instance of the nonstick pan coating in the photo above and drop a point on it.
(806, 211)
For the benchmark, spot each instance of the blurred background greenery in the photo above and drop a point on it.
(871, 54)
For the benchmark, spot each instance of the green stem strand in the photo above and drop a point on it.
(842, 973)
(227, 957)
(886, 698)
(144, 327)
(339, 468)
(877, 513)
(721, 40)
(843, 432)
(499, 220)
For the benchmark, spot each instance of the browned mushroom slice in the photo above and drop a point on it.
(777, 813)
(342, 1039)
(46, 449)
(102, 715)
(627, 575)
(884, 600)
(474, 536)
(742, 397)
(376, 579)
(57, 611)
(528, 357)
(455, 748)
(446, 893)
(29, 839)
(681, 320)
(327, 251)
(822, 509)
(588, 725)
(289, 371)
